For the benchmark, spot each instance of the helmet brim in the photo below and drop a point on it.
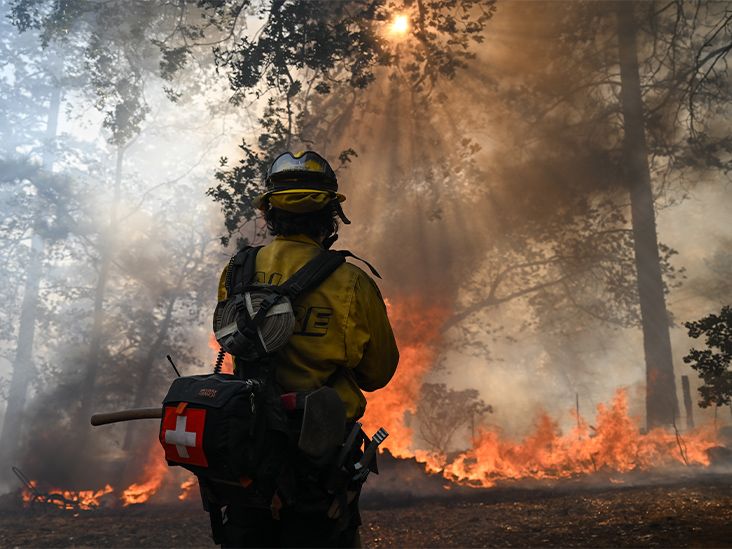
(260, 202)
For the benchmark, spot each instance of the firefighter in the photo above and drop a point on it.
(342, 339)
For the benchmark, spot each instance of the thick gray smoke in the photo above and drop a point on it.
(451, 194)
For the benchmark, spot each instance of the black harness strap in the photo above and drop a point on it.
(346, 253)
(254, 322)
(242, 268)
(307, 277)
(312, 274)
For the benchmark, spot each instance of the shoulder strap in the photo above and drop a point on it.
(316, 271)
(312, 274)
(346, 253)
(242, 267)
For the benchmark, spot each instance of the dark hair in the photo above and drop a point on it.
(316, 225)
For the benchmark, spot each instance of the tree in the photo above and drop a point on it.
(541, 217)
(713, 364)
(629, 113)
(310, 61)
(30, 102)
(717, 282)
(443, 412)
(117, 57)
(661, 402)
(23, 363)
(180, 282)
(627, 118)
(94, 298)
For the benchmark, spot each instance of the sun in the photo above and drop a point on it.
(399, 25)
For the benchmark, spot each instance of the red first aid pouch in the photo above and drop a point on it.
(223, 428)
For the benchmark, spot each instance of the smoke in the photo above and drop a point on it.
(497, 167)
(447, 192)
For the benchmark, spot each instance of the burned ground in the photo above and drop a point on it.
(679, 515)
(692, 512)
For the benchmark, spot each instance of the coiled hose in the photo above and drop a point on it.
(274, 331)
(277, 327)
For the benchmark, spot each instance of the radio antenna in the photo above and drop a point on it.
(173, 365)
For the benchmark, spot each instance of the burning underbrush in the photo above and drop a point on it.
(612, 448)
(614, 444)
(157, 485)
(613, 451)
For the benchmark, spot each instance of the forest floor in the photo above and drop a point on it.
(691, 512)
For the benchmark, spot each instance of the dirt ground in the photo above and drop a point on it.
(696, 513)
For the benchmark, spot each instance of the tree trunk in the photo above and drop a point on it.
(146, 367)
(688, 406)
(131, 463)
(97, 333)
(661, 400)
(23, 369)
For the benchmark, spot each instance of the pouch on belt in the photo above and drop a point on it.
(323, 425)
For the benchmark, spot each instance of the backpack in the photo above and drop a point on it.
(230, 430)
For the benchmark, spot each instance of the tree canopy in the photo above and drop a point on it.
(713, 364)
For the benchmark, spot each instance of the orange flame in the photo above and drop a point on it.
(616, 445)
(187, 488)
(27, 495)
(155, 471)
(85, 500)
(417, 335)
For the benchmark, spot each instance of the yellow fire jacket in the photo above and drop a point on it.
(341, 329)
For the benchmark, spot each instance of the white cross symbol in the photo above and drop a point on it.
(180, 437)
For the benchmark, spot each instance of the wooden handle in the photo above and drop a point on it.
(127, 415)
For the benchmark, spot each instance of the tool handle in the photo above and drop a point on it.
(126, 415)
(348, 445)
(368, 454)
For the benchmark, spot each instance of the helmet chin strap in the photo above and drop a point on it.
(330, 240)
(339, 211)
